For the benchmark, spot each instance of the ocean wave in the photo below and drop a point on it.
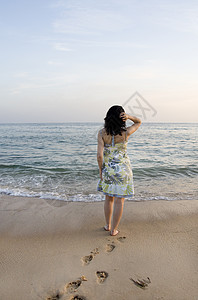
(188, 171)
(97, 197)
(140, 173)
(51, 196)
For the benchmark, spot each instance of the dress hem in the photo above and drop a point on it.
(115, 195)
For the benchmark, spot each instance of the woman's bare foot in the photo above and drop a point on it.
(107, 228)
(114, 232)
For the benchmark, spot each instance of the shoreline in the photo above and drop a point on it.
(98, 196)
(44, 248)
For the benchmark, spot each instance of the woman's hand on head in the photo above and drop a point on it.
(124, 116)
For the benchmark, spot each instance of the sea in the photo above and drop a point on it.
(58, 161)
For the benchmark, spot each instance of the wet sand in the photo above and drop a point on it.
(59, 250)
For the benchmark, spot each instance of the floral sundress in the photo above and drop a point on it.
(117, 175)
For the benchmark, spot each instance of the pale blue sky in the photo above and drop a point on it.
(71, 60)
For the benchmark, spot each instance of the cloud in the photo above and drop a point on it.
(178, 16)
(93, 24)
(61, 47)
(46, 82)
(21, 75)
(54, 63)
(88, 19)
(75, 43)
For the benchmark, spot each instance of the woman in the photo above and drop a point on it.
(116, 177)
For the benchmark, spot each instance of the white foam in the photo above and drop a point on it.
(79, 197)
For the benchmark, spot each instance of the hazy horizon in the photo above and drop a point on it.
(92, 122)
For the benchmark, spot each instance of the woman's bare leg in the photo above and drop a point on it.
(117, 214)
(108, 210)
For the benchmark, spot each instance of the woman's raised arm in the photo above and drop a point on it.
(137, 122)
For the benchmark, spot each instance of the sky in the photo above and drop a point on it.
(70, 61)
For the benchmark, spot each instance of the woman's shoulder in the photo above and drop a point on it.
(102, 131)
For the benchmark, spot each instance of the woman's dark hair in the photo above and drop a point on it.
(113, 123)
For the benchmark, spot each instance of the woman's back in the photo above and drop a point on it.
(108, 139)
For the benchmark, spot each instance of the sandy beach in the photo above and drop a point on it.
(59, 250)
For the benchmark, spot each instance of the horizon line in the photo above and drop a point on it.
(71, 122)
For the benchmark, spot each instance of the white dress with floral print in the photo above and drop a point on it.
(117, 175)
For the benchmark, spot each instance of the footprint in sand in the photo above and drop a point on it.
(95, 251)
(78, 298)
(143, 283)
(55, 296)
(88, 258)
(110, 248)
(121, 239)
(102, 276)
(74, 285)
(70, 287)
